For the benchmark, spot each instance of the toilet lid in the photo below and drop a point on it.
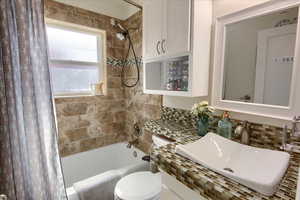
(139, 186)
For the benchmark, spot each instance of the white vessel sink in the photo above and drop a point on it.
(256, 168)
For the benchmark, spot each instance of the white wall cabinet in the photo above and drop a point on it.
(153, 26)
(166, 27)
(176, 47)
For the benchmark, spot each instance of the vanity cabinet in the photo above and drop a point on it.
(176, 47)
(177, 190)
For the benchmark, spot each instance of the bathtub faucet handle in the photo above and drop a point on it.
(137, 129)
(132, 142)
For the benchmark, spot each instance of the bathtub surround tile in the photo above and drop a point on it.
(87, 144)
(178, 125)
(140, 107)
(94, 131)
(145, 141)
(75, 109)
(116, 93)
(104, 117)
(88, 122)
(76, 134)
(73, 123)
(70, 148)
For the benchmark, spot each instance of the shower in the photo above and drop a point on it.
(125, 35)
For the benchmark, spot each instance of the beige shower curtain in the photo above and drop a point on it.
(29, 160)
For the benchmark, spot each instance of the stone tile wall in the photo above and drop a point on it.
(139, 107)
(86, 123)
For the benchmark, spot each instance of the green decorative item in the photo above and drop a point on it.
(225, 126)
(204, 113)
(202, 126)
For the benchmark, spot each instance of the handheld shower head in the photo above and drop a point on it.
(121, 36)
(124, 34)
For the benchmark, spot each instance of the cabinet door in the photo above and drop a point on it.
(152, 28)
(177, 28)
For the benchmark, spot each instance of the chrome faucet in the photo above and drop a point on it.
(243, 132)
(136, 134)
(295, 131)
(285, 137)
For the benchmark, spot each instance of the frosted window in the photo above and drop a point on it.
(70, 45)
(75, 61)
(73, 79)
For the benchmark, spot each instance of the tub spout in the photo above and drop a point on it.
(132, 142)
(146, 158)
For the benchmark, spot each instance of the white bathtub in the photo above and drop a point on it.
(88, 164)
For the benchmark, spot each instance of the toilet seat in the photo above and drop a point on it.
(139, 186)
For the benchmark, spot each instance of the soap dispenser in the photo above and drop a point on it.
(225, 126)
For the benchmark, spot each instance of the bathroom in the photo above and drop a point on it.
(149, 99)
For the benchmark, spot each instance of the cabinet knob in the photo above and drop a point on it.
(163, 46)
(157, 47)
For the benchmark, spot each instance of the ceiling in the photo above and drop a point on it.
(114, 8)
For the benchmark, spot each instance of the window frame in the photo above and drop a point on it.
(101, 50)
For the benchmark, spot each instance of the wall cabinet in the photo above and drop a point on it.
(166, 27)
(176, 47)
(152, 26)
(176, 32)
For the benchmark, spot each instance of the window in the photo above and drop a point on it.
(76, 57)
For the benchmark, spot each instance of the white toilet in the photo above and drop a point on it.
(141, 185)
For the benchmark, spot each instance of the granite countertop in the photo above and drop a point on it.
(207, 183)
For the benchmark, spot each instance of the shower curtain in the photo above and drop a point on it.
(29, 160)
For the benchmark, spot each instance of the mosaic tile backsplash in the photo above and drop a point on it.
(262, 135)
(180, 126)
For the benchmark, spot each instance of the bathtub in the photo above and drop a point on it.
(84, 165)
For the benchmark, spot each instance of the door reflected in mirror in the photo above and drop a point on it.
(259, 57)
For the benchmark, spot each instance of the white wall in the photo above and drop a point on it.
(113, 8)
(220, 8)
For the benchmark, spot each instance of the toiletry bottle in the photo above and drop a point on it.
(225, 126)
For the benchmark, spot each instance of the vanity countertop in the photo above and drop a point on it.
(209, 184)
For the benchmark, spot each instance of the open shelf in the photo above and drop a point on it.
(168, 76)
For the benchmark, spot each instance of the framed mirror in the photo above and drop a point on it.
(256, 65)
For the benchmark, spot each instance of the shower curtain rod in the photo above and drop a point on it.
(134, 4)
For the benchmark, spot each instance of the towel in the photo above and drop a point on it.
(102, 186)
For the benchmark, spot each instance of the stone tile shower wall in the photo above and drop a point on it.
(86, 123)
(139, 107)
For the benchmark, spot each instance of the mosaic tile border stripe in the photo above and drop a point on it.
(115, 62)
